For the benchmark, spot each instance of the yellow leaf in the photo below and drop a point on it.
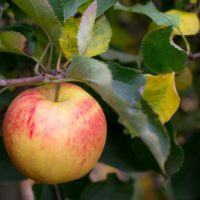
(68, 39)
(160, 93)
(189, 22)
(71, 36)
(101, 37)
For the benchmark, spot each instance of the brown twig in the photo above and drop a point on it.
(52, 77)
(22, 81)
(194, 56)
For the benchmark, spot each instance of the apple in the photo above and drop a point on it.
(54, 142)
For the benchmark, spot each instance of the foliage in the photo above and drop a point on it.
(151, 99)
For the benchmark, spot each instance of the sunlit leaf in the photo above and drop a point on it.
(160, 93)
(68, 39)
(81, 37)
(189, 22)
(86, 27)
(100, 39)
(93, 37)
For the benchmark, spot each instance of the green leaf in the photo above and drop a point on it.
(124, 153)
(103, 5)
(71, 7)
(128, 155)
(13, 42)
(42, 41)
(57, 6)
(120, 94)
(86, 27)
(110, 189)
(175, 159)
(160, 53)
(100, 38)
(43, 14)
(152, 12)
(119, 87)
(155, 136)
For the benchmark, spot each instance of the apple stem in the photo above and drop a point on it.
(57, 91)
(57, 86)
(57, 192)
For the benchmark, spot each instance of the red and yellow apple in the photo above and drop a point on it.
(54, 142)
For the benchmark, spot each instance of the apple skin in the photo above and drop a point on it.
(54, 142)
